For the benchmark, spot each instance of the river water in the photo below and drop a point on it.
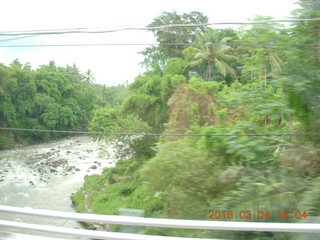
(44, 176)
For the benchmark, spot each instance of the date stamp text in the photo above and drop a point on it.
(242, 215)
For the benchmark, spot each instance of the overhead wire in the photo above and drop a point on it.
(158, 134)
(32, 33)
(157, 44)
(149, 28)
(16, 38)
(26, 34)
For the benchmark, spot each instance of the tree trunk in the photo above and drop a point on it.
(318, 40)
(209, 72)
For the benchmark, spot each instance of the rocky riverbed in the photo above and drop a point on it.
(44, 176)
(39, 163)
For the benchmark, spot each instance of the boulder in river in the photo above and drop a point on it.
(93, 167)
(69, 168)
(59, 162)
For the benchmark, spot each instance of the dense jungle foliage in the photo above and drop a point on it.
(259, 79)
(49, 98)
(219, 88)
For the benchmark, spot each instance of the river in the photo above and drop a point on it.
(44, 176)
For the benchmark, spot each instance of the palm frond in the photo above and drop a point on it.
(231, 71)
(221, 67)
(225, 39)
(202, 55)
(196, 63)
(275, 62)
(228, 58)
(223, 50)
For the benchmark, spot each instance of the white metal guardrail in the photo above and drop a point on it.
(19, 236)
(88, 233)
(140, 221)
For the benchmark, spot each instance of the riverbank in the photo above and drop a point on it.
(44, 176)
(56, 158)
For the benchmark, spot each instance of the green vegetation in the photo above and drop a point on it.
(50, 97)
(204, 87)
(217, 89)
(213, 57)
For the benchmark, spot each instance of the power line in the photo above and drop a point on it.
(161, 134)
(158, 44)
(16, 38)
(82, 30)
(40, 31)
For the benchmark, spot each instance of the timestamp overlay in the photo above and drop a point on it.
(258, 215)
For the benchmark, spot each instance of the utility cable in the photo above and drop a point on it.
(16, 38)
(149, 28)
(158, 44)
(160, 134)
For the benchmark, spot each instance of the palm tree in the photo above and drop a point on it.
(214, 53)
(88, 77)
(261, 63)
(74, 74)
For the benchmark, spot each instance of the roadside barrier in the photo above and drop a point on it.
(141, 221)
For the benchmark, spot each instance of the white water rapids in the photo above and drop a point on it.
(44, 176)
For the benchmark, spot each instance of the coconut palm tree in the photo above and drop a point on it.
(88, 77)
(215, 54)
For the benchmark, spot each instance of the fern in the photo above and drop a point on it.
(311, 199)
(272, 192)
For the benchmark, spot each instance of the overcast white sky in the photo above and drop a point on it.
(111, 64)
